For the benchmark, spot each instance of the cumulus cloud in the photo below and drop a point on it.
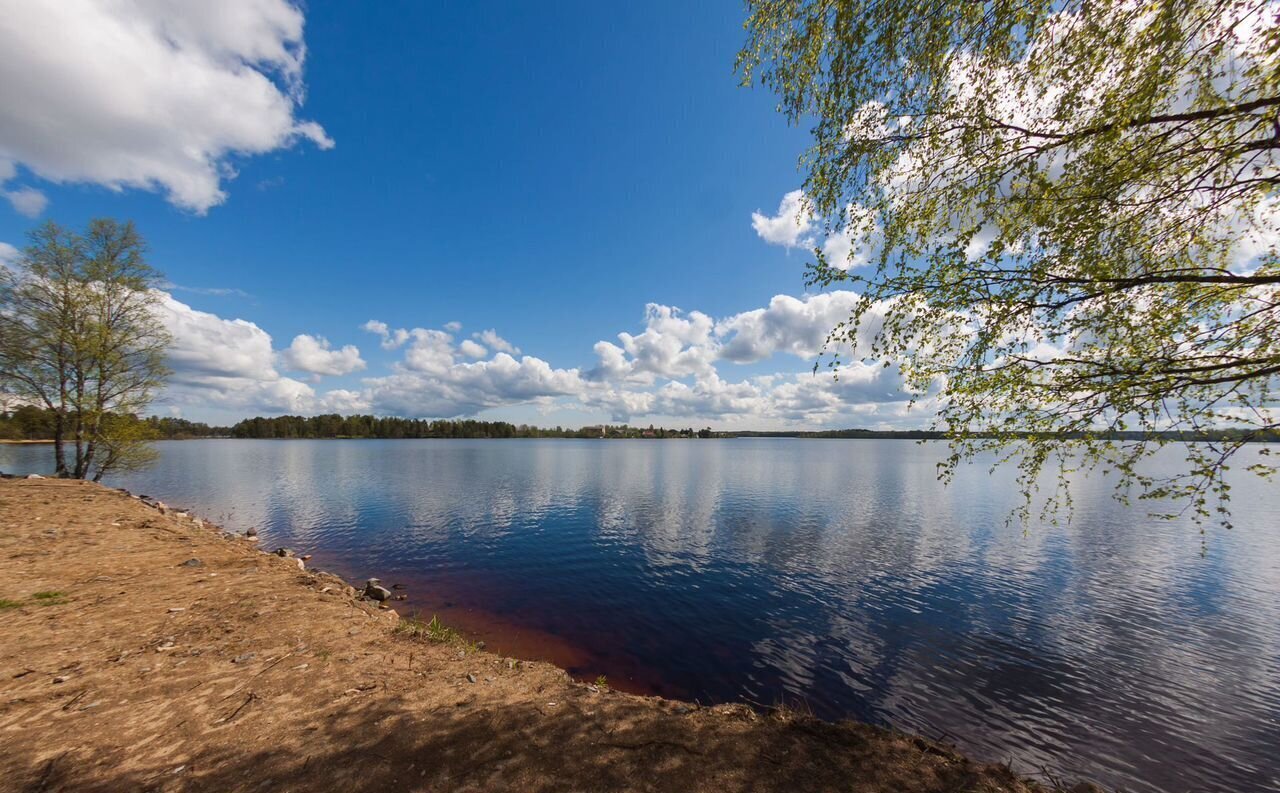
(27, 201)
(8, 254)
(673, 344)
(685, 351)
(790, 227)
(390, 339)
(460, 389)
(798, 326)
(149, 94)
(226, 363)
(863, 392)
(670, 368)
(429, 351)
(491, 338)
(850, 246)
(471, 349)
(313, 354)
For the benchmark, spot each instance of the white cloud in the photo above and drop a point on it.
(673, 344)
(26, 201)
(790, 227)
(206, 344)
(863, 393)
(226, 363)
(848, 247)
(626, 382)
(853, 244)
(149, 94)
(453, 327)
(669, 369)
(429, 351)
(792, 325)
(8, 254)
(491, 338)
(390, 340)
(313, 354)
(459, 389)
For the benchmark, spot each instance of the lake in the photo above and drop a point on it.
(833, 575)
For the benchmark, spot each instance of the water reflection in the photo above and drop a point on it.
(834, 572)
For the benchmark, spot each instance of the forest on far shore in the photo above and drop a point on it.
(36, 424)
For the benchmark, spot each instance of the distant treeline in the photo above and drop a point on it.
(335, 426)
(32, 423)
(175, 429)
(926, 435)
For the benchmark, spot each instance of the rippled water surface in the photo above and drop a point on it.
(835, 573)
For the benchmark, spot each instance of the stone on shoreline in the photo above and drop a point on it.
(375, 591)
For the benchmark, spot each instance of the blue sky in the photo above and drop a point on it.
(543, 172)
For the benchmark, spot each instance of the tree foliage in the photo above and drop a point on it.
(80, 336)
(124, 444)
(1072, 208)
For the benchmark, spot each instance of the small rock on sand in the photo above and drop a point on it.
(252, 532)
(375, 591)
(243, 658)
(192, 562)
(34, 476)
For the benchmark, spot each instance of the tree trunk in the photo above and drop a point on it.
(88, 457)
(79, 470)
(59, 455)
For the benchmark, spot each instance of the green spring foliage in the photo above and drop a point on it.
(1070, 213)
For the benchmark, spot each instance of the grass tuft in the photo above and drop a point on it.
(9, 604)
(50, 598)
(433, 631)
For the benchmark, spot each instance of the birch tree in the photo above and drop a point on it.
(1070, 209)
(80, 335)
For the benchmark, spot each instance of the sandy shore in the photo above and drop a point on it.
(126, 666)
